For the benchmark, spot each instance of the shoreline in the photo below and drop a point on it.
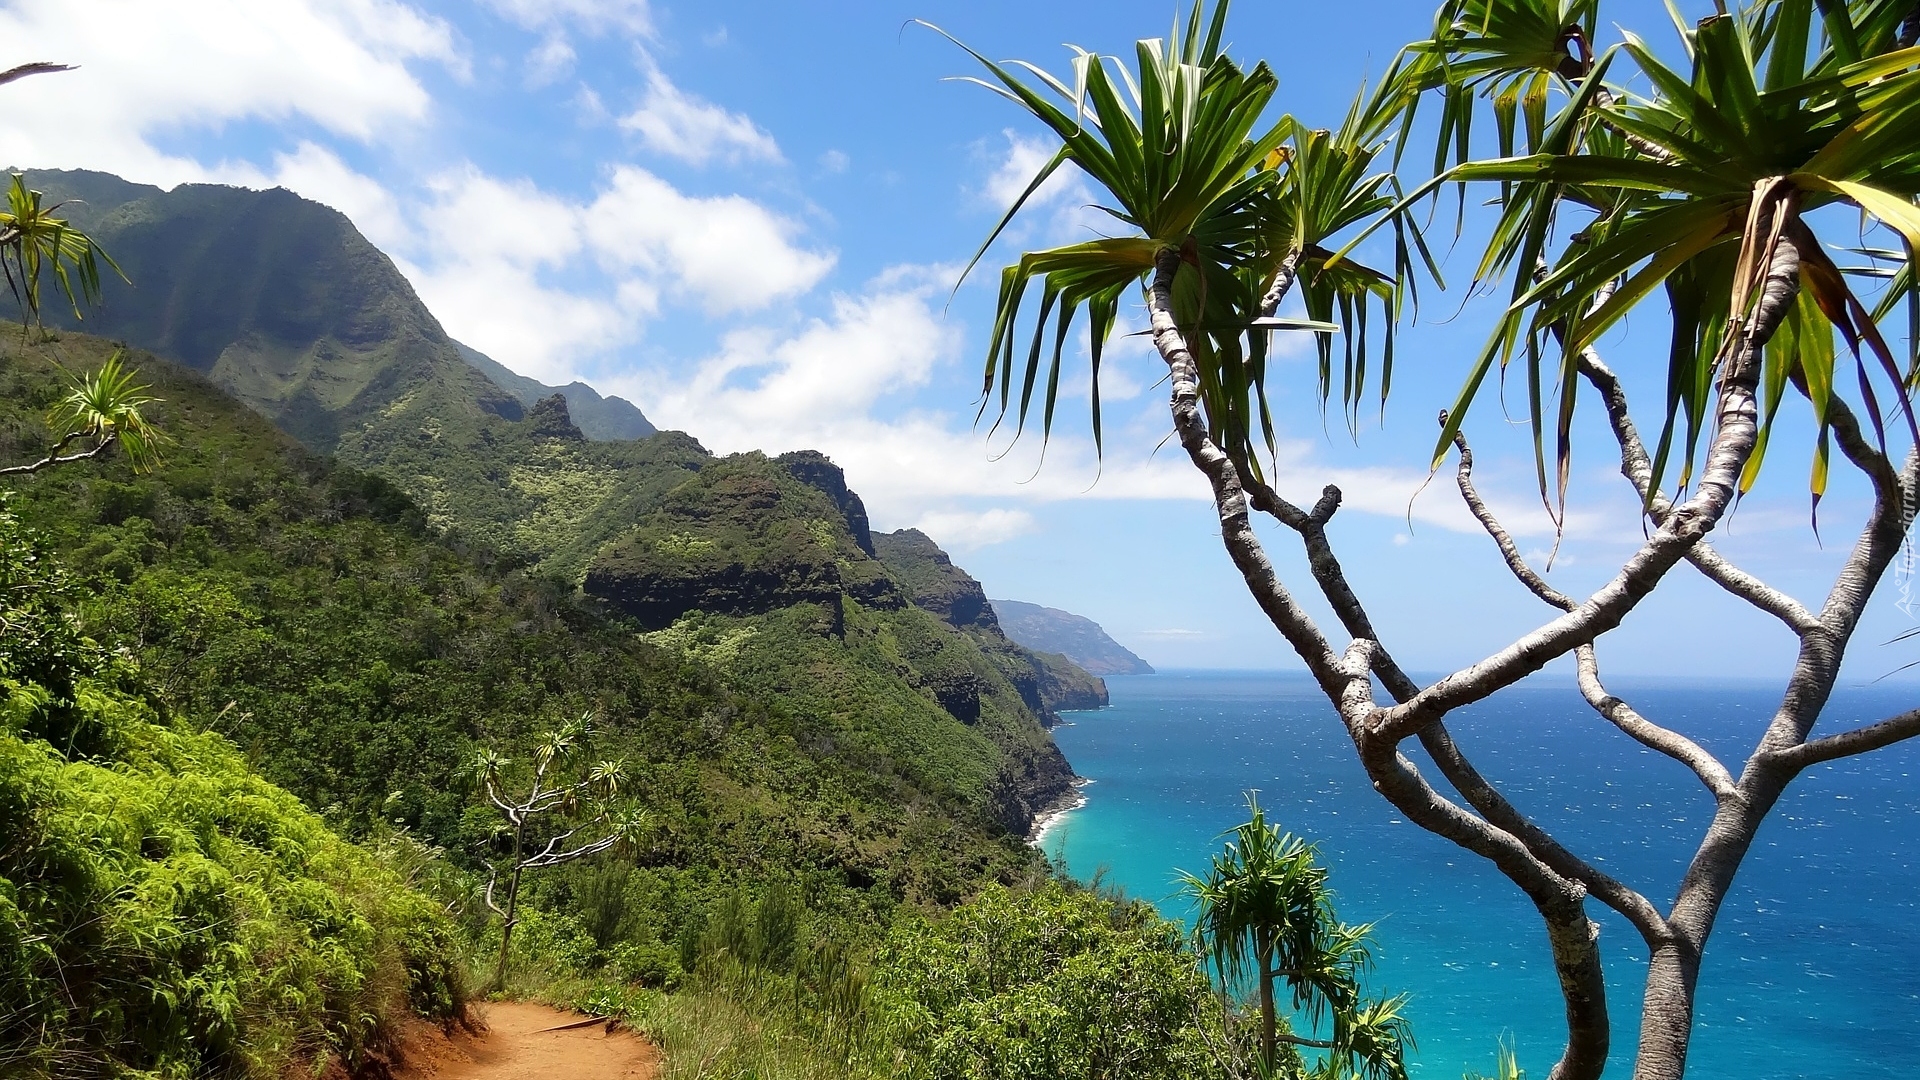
(1045, 820)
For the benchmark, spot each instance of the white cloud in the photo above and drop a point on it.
(1024, 159)
(964, 530)
(550, 61)
(317, 173)
(633, 17)
(685, 126)
(166, 67)
(728, 252)
(835, 161)
(540, 281)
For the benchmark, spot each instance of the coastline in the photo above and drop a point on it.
(1045, 820)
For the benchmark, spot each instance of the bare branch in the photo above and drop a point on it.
(1230, 500)
(581, 852)
(1649, 734)
(1626, 900)
(1504, 540)
(54, 458)
(1848, 743)
(493, 873)
(1637, 467)
(1283, 278)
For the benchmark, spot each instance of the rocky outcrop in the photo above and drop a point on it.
(1048, 683)
(934, 583)
(550, 419)
(738, 539)
(817, 471)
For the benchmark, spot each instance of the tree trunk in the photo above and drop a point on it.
(513, 909)
(1268, 1021)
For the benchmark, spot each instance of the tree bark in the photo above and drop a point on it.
(513, 907)
(1269, 1022)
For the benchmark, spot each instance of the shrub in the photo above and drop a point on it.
(163, 910)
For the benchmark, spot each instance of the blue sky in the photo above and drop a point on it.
(749, 217)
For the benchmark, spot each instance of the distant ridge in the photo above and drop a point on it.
(1076, 637)
(602, 419)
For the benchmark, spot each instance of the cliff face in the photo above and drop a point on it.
(744, 538)
(935, 583)
(757, 561)
(1048, 682)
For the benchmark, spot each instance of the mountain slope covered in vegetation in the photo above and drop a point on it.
(165, 911)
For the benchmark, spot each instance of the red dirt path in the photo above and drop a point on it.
(515, 1045)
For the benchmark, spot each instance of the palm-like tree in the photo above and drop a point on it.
(581, 798)
(1264, 913)
(34, 241)
(101, 411)
(1229, 206)
(1702, 192)
(1711, 192)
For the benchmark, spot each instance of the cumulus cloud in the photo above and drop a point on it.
(965, 530)
(725, 251)
(1059, 211)
(540, 280)
(342, 66)
(1024, 158)
(680, 125)
(842, 382)
(316, 172)
(550, 61)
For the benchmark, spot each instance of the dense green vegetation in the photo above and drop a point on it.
(309, 613)
(825, 741)
(1056, 982)
(163, 910)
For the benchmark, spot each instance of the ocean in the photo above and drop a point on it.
(1813, 969)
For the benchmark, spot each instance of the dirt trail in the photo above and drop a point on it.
(516, 1045)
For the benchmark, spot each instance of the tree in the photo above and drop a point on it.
(1054, 982)
(584, 802)
(1706, 191)
(101, 411)
(33, 240)
(1264, 912)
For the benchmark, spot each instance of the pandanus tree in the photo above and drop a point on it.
(100, 411)
(561, 810)
(1263, 913)
(1704, 198)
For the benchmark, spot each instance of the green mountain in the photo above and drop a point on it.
(282, 303)
(289, 308)
(309, 612)
(1076, 637)
(598, 417)
(277, 299)
(934, 583)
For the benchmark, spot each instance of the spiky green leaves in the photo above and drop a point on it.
(106, 407)
(1179, 145)
(1263, 911)
(1687, 192)
(33, 241)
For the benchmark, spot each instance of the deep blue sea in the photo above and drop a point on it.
(1813, 969)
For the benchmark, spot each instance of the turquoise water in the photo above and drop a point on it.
(1814, 966)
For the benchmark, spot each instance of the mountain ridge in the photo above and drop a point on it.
(1076, 637)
